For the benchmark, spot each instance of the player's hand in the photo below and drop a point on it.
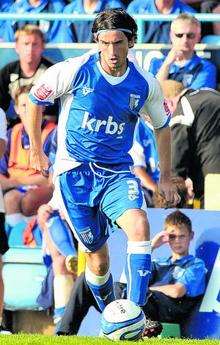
(39, 161)
(159, 239)
(43, 214)
(169, 190)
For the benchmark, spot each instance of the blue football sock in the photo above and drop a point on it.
(101, 288)
(138, 271)
(60, 235)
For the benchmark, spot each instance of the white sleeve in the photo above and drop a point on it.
(137, 154)
(56, 81)
(155, 105)
(3, 126)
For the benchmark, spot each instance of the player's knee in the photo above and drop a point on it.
(140, 229)
(99, 268)
(12, 200)
(59, 263)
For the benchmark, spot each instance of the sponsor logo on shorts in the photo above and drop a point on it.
(43, 92)
(133, 190)
(87, 236)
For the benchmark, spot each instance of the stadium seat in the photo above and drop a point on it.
(170, 330)
(23, 273)
(211, 39)
(15, 234)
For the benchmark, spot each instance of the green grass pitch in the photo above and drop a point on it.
(36, 339)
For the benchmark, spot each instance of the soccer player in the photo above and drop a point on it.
(101, 95)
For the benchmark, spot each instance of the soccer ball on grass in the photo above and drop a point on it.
(122, 319)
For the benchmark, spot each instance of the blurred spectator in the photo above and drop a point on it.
(58, 243)
(126, 3)
(5, 5)
(29, 45)
(24, 188)
(172, 296)
(212, 6)
(182, 63)
(48, 28)
(216, 26)
(196, 4)
(3, 237)
(195, 129)
(155, 31)
(81, 31)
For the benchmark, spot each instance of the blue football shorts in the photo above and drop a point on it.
(94, 197)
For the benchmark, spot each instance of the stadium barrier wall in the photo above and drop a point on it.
(140, 18)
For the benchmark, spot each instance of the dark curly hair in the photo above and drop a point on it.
(115, 19)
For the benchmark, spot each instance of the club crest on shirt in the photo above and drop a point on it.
(134, 101)
(43, 92)
(178, 272)
(187, 79)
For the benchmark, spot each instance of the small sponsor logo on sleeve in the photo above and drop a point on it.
(166, 108)
(43, 92)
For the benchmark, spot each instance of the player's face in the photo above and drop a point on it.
(113, 47)
(184, 35)
(29, 47)
(179, 239)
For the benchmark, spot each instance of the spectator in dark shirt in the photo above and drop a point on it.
(195, 130)
(29, 45)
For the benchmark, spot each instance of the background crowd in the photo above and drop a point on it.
(67, 31)
(195, 123)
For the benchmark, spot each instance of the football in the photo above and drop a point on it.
(122, 319)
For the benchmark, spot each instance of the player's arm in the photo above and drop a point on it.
(139, 167)
(176, 290)
(146, 179)
(2, 147)
(163, 137)
(38, 159)
(55, 81)
(156, 107)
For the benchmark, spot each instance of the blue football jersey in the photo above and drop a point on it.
(99, 112)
